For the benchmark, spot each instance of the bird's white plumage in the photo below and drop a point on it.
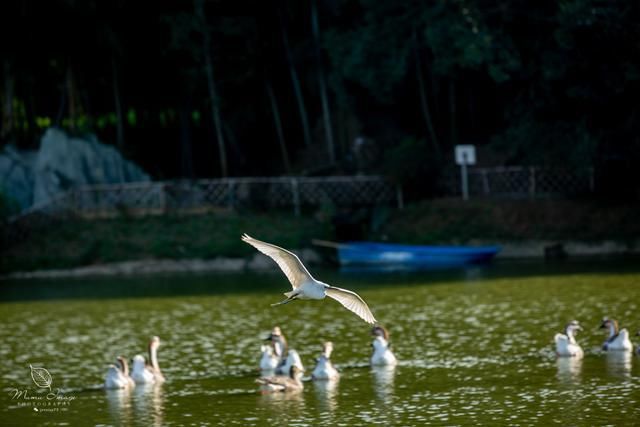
(351, 301)
(288, 262)
(566, 345)
(304, 285)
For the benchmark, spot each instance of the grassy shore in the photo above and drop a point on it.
(455, 221)
(85, 242)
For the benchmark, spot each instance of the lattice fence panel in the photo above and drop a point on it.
(519, 182)
(102, 199)
(562, 181)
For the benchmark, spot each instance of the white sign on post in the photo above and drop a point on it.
(465, 155)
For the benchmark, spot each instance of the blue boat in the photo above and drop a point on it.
(373, 254)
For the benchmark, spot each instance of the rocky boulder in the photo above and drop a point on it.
(16, 177)
(62, 163)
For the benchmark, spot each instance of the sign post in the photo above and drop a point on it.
(465, 155)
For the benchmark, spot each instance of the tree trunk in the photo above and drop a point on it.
(278, 125)
(117, 104)
(296, 84)
(186, 151)
(424, 99)
(452, 111)
(326, 113)
(7, 108)
(208, 61)
(71, 98)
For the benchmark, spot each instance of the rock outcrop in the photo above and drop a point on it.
(61, 163)
(16, 176)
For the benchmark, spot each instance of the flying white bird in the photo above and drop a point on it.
(304, 285)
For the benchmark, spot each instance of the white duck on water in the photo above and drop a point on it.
(618, 339)
(382, 354)
(268, 361)
(282, 383)
(566, 345)
(142, 373)
(118, 375)
(304, 285)
(275, 354)
(292, 359)
(324, 369)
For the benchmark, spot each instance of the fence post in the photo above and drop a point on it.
(296, 196)
(485, 182)
(532, 182)
(163, 198)
(399, 196)
(231, 193)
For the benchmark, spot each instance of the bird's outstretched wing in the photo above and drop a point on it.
(289, 263)
(351, 301)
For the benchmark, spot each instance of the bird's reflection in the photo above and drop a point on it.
(327, 392)
(383, 378)
(120, 409)
(285, 404)
(148, 403)
(569, 369)
(619, 363)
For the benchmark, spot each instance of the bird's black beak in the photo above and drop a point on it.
(269, 338)
(603, 325)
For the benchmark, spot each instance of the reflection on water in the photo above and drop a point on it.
(283, 406)
(619, 363)
(120, 409)
(569, 369)
(148, 403)
(383, 381)
(143, 402)
(326, 392)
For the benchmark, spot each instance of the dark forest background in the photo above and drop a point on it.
(200, 89)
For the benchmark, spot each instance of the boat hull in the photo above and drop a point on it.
(388, 254)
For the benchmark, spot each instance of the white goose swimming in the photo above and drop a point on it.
(566, 345)
(618, 339)
(154, 344)
(292, 359)
(268, 361)
(118, 376)
(324, 369)
(142, 373)
(304, 285)
(278, 345)
(382, 354)
(282, 383)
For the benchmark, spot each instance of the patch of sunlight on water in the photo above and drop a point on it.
(472, 349)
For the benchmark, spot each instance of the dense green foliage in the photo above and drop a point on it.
(179, 85)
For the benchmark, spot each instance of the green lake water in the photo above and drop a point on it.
(475, 347)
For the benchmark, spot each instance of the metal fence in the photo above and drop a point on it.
(153, 198)
(149, 198)
(517, 182)
(231, 193)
